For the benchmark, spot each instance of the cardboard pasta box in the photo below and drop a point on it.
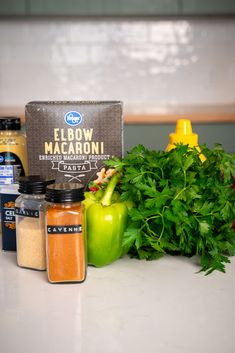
(70, 141)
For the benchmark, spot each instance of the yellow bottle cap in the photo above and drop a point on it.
(184, 127)
(183, 134)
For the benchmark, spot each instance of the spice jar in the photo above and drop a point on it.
(30, 222)
(65, 238)
(8, 195)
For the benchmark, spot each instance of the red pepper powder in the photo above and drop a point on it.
(66, 244)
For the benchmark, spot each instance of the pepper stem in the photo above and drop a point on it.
(107, 197)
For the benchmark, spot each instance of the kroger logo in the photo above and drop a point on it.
(73, 118)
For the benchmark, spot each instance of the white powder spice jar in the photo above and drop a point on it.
(30, 222)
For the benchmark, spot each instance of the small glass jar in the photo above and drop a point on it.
(65, 233)
(30, 222)
(8, 195)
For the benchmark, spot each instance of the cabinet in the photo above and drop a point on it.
(13, 7)
(104, 7)
(118, 8)
(207, 7)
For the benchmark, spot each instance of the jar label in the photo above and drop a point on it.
(8, 221)
(25, 212)
(11, 168)
(70, 229)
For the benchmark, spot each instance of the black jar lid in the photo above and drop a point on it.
(33, 184)
(65, 192)
(10, 123)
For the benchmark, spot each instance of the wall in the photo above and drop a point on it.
(149, 64)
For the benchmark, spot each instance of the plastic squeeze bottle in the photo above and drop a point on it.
(184, 134)
(13, 155)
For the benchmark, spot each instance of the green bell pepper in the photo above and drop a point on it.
(106, 222)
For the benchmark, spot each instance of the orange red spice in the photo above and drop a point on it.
(66, 242)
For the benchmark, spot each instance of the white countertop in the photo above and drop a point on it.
(130, 306)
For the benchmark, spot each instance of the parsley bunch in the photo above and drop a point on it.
(182, 206)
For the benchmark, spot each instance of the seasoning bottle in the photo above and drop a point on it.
(8, 195)
(13, 155)
(30, 222)
(65, 238)
(184, 134)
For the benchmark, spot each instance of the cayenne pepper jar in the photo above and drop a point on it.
(65, 233)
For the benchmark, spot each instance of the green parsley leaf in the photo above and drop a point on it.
(182, 206)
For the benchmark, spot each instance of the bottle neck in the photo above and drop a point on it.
(33, 196)
(64, 205)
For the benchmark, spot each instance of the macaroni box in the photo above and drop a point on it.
(69, 141)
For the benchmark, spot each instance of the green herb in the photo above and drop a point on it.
(183, 206)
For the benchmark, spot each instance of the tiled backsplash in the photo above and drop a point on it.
(146, 63)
